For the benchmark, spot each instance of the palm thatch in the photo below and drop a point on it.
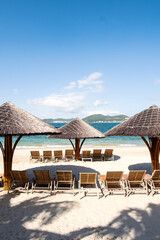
(15, 121)
(77, 129)
(145, 123)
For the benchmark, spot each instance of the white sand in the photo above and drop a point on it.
(64, 216)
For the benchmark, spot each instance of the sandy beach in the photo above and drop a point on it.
(64, 216)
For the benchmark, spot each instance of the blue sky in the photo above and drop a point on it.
(69, 58)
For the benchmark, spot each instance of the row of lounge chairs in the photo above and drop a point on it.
(48, 155)
(97, 155)
(114, 181)
(69, 155)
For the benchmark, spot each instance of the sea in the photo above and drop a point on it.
(42, 141)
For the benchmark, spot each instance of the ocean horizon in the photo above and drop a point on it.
(41, 141)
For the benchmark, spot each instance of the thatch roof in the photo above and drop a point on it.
(145, 123)
(15, 121)
(77, 129)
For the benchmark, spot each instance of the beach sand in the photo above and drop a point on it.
(64, 216)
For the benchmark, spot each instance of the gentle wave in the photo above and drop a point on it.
(41, 141)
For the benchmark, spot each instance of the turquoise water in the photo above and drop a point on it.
(43, 141)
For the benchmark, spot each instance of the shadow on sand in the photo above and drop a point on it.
(129, 224)
(141, 166)
(53, 168)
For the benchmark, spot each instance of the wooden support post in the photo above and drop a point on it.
(77, 148)
(153, 146)
(154, 153)
(7, 161)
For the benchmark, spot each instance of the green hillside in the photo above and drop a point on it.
(103, 118)
(92, 118)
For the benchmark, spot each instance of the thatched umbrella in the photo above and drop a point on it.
(77, 129)
(143, 124)
(16, 122)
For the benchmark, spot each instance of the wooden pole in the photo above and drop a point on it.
(154, 142)
(77, 148)
(7, 161)
(153, 146)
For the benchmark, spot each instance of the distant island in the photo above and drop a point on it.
(92, 118)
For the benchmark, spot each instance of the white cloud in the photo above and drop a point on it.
(71, 85)
(157, 81)
(100, 102)
(71, 102)
(97, 88)
(15, 91)
(90, 80)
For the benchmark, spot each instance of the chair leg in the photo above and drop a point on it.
(54, 187)
(51, 187)
(32, 187)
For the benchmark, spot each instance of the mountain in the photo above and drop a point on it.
(103, 118)
(92, 118)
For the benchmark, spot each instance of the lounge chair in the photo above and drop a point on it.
(135, 182)
(87, 183)
(64, 180)
(113, 182)
(19, 179)
(35, 155)
(86, 155)
(97, 154)
(47, 155)
(69, 154)
(154, 182)
(108, 155)
(58, 155)
(42, 179)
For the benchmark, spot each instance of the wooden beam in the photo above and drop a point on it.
(81, 144)
(72, 145)
(77, 149)
(7, 161)
(153, 147)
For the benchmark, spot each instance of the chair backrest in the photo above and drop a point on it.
(136, 175)
(113, 176)
(19, 176)
(69, 152)
(35, 154)
(108, 152)
(58, 154)
(156, 175)
(88, 178)
(42, 176)
(47, 154)
(64, 176)
(86, 153)
(97, 152)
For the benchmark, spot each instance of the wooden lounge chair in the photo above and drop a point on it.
(42, 179)
(113, 182)
(35, 155)
(19, 179)
(64, 180)
(154, 182)
(47, 155)
(86, 155)
(58, 155)
(108, 155)
(97, 154)
(69, 154)
(87, 183)
(135, 182)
